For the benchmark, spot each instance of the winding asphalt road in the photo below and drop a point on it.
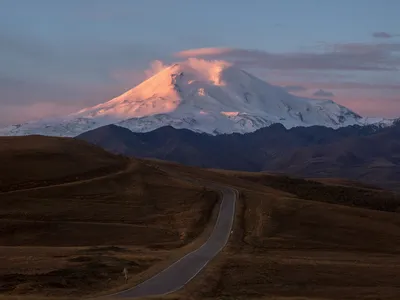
(182, 271)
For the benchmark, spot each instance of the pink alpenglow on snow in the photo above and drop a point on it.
(213, 97)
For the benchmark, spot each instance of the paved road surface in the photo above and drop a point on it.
(181, 272)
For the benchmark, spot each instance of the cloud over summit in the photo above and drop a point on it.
(347, 57)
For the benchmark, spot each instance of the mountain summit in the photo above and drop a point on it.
(204, 96)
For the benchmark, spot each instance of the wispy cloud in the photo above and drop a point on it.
(301, 85)
(74, 76)
(347, 57)
(204, 52)
(155, 67)
(350, 72)
(383, 35)
(322, 93)
(381, 50)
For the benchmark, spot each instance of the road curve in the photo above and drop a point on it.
(182, 271)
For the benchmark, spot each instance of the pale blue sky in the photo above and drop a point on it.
(58, 56)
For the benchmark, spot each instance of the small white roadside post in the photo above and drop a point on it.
(125, 272)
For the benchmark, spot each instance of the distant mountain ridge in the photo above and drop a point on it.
(210, 97)
(365, 153)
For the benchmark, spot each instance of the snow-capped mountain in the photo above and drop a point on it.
(211, 97)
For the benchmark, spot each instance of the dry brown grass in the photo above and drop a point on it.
(56, 271)
(34, 161)
(282, 247)
(353, 196)
(143, 199)
(285, 247)
(144, 211)
(345, 182)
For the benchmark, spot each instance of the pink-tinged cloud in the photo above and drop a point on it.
(202, 52)
(345, 57)
(209, 70)
(155, 67)
(358, 96)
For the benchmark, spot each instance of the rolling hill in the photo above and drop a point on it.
(291, 238)
(72, 216)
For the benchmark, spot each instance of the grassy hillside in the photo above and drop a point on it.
(33, 161)
(284, 248)
(65, 193)
(292, 238)
(287, 247)
(339, 193)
